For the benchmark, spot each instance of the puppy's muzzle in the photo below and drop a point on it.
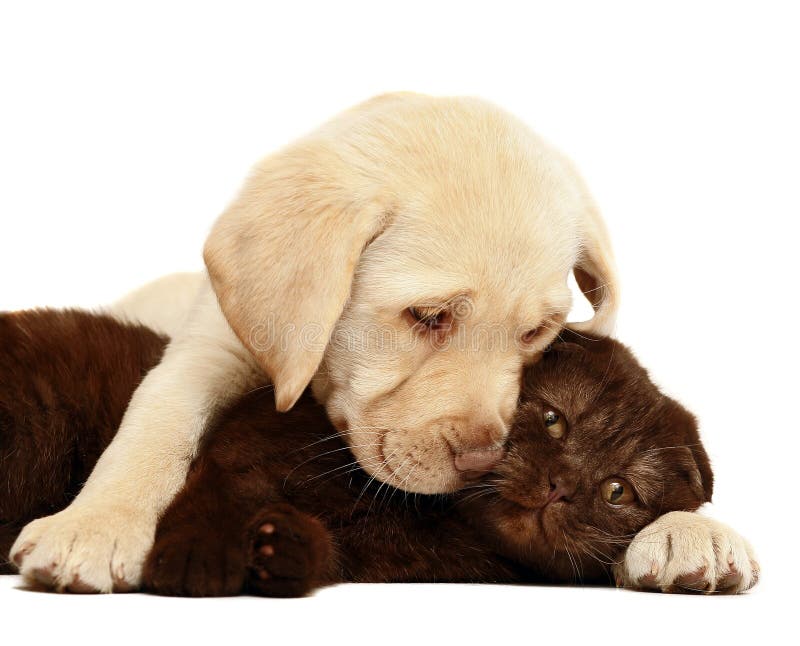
(475, 463)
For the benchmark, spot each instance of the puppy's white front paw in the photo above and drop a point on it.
(687, 552)
(85, 549)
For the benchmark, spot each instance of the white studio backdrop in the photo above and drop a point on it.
(126, 127)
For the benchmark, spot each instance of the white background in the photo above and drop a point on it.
(126, 127)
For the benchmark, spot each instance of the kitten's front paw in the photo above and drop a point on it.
(686, 552)
(290, 552)
(192, 560)
(84, 549)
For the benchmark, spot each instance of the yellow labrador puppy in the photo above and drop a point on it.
(406, 259)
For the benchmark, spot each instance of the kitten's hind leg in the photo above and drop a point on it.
(290, 553)
(199, 549)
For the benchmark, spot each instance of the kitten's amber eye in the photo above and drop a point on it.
(616, 491)
(555, 424)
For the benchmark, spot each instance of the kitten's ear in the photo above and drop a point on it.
(695, 466)
(704, 466)
(692, 466)
(569, 341)
(565, 347)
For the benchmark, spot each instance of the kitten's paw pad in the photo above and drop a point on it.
(84, 550)
(289, 552)
(193, 561)
(688, 553)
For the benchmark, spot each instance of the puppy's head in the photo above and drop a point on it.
(411, 256)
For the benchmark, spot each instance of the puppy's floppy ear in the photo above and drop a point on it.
(282, 257)
(596, 275)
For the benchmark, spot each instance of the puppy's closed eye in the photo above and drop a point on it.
(530, 335)
(430, 318)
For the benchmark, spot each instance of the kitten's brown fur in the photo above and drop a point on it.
(65, 381)
(274, 504)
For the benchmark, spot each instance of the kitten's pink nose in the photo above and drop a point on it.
(561, 487)
(477, 462)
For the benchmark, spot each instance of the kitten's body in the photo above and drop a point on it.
(275, 504)
(292, 471)
(65, 380)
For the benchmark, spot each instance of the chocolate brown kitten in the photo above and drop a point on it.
(275, 504)
(65, 381)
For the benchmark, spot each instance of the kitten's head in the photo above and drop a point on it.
(596, 453)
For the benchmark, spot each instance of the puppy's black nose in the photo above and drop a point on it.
(561, 487)
(477, 462)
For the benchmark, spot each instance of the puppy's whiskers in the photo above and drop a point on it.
(333, 436)
(323, 454)
(351, 467)
(377, 469)
(259, 388)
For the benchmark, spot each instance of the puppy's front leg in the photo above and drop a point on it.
(686, 552)
(99, 542)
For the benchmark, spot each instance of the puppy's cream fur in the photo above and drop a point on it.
(162, 305)
(403, 202)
